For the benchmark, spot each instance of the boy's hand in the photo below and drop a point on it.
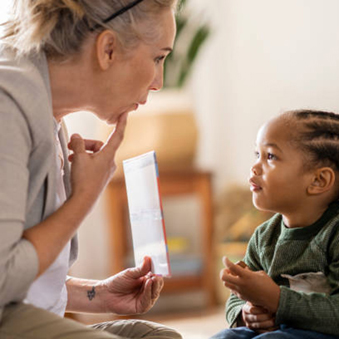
(258, 318)
(255, 287)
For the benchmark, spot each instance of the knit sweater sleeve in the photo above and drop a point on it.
(314, 311)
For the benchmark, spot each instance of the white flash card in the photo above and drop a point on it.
(145, 211)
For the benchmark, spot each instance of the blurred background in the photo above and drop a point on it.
(236, 64)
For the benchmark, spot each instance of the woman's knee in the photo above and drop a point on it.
(138, 329)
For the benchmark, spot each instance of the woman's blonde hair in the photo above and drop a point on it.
(60, 27)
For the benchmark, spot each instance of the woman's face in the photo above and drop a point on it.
(127, 84)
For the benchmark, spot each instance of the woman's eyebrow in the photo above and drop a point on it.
(167, 49)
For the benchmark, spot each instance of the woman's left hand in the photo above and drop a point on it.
(132, 291)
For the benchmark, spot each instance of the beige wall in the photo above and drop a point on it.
(266, 56)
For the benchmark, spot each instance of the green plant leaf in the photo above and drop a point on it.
(182, 4)
(198, 40)
(181, 23)
(196, 43)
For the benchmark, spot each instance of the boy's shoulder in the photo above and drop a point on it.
(271, 225)
(330, 228)
(268, 231)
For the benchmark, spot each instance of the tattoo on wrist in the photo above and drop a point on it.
(91, 294)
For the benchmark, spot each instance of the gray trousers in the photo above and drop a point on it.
(21, 321)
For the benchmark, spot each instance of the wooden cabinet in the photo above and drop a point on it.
(172, 184)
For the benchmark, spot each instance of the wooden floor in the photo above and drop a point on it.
(196, 325)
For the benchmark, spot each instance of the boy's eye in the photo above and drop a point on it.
(271, 156)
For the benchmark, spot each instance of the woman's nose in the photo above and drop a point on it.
(158, 81)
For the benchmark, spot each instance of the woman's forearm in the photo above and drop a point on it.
(50, 236)
(85, 296)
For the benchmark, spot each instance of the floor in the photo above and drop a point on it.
(196, 325)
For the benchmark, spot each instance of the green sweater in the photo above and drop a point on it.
(279, 250)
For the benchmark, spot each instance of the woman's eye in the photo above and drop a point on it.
(159, 59)
(256, 155)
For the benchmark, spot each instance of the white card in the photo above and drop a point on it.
(145, 212)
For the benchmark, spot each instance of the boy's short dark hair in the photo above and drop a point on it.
(317, 134)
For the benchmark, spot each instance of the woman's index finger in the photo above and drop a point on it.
(115, 138)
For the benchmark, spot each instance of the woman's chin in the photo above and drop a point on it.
(113, 118)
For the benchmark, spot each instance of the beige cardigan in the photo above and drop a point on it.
(27, 168)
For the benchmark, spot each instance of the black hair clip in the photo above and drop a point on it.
(117, 13)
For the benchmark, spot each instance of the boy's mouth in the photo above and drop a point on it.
(254, 187)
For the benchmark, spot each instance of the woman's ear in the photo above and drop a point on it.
(106, 45)
(323, 181)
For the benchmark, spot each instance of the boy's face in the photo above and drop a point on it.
(278, 179)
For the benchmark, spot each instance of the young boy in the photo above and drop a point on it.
(290, 287)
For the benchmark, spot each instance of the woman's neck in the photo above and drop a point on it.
(68, 87)
(71, 84)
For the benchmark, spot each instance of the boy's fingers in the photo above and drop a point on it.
(234, 269)
(241, 264)
(255, 310)
(231, 286)
(114, 140)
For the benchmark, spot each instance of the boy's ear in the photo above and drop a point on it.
(106, 44)
(323, 181)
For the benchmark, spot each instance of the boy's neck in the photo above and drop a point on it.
(303, 218)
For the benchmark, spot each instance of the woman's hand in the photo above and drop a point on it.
(90, 174)
(255, 287)
(258, 318)
(93, 163)
(132, 291)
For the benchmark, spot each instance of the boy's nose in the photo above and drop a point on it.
(255, 170)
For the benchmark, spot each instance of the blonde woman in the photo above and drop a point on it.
(58, 57)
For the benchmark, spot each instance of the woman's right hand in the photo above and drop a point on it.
(93, 163)
(92, 167)
(257, 318)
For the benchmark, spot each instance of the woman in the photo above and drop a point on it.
(60, 57)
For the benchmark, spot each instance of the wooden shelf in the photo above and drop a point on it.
(172, 183)
(183, 284)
